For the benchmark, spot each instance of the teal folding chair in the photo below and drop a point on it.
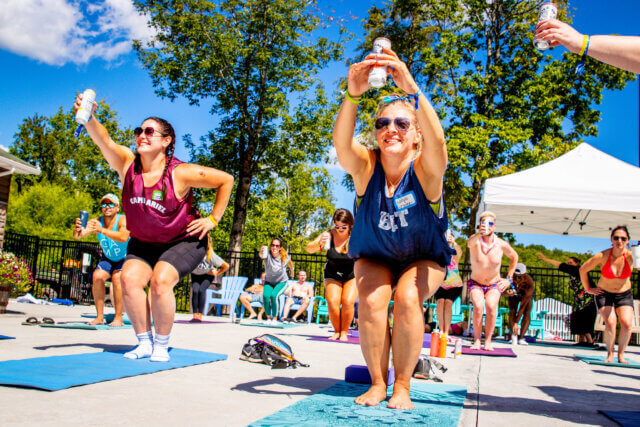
(323, 308)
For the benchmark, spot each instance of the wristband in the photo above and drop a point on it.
(354, 100)
(583, 53)
(585, 40)
(215, 223)
(415, 97)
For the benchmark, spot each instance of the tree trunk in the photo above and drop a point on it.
(239, 218)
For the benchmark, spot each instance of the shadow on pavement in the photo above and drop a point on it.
(305, 386)
(115, 348)
(600, 371)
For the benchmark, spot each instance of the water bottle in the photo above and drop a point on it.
(434, 347)
(233, 316)
(457, 349)
(84, 112)
(548, 10)
(378, 74)
(442, 353)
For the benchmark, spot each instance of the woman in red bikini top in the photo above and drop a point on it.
(613, 294)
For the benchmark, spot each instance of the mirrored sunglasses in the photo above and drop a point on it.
(341, 227)
(402, 123)
(108, 205)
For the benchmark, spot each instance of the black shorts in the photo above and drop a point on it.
(614, 300)
(451, 294)
(342, 275)
(184, 255)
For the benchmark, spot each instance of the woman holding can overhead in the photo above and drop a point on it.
(398, 238)
(339, 280)
(168, 236)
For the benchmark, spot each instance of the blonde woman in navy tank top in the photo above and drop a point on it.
(398, 236)
(168, 237)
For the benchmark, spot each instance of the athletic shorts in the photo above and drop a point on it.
(451, 294)
(257, 298)
(297, 300)
(342, 275)
(184, 255)
(614, 300)
(472, 284)
(109, 266)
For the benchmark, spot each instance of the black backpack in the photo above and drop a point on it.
(270, 350)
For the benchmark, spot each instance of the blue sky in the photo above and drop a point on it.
(49, 49)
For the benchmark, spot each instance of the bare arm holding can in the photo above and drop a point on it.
(119, 157)
(620, 51)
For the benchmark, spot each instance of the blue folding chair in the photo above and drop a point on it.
(294, 307)
(231, 288)
(537, 319)
(254, 304)
(323, 308)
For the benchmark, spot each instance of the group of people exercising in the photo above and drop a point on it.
(396, 238)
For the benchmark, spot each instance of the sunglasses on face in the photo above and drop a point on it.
(489, 224)
(622, 238)
(275, 246)
(402, 123)
(108, 205)
(148, 131)
(341, 227)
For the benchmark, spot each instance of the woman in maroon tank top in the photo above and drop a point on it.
(168, 237)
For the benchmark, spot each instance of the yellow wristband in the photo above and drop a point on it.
(585, 40)
(215, 223)
(352, 100)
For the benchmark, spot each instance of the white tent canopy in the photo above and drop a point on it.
(584, 192)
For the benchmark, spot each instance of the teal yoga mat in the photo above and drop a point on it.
(83, 326)
(436, 405)
(60, 372)
(108, 318)
(624, 418)
(273, 325)
(599, 360)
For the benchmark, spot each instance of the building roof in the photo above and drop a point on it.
(15, 165)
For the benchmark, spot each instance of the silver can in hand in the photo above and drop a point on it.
(548, 10)
(84, 112)
(84, 218)
(378, 74)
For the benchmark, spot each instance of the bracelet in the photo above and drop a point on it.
(580, 66)
(415, 97)
(319, 246)
(354, 100)
(213, 220)
(585, 40)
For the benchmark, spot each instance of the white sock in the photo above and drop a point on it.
(160, 349)
(144, 348)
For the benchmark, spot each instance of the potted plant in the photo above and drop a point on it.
(15, 278)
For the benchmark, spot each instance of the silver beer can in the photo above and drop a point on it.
(84, 112)
(548, 10)
(378, 75)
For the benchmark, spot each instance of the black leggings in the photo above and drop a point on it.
(199, 286)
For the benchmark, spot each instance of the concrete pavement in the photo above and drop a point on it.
(542, 386)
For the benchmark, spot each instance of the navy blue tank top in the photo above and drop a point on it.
(399, 229)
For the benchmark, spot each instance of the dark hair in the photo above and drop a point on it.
(620, 227)
(165, 130)
(576, 260)
(343, 215)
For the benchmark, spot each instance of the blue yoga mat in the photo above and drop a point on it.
(599, 360)
(6, 337)
(60, 372)
(83, 326)
(435, 405)
(624, 418)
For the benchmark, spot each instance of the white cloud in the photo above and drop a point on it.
(57, 32)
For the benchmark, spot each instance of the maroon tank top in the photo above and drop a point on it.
(152, 216)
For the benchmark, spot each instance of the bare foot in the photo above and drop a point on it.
(252, 316)
(343, 336)
(373, 396)
(476, 345)
(96, 321)
(117, 322)
(400, 398)
(488, 346)
(609, 358)
(334, 336)
(621, 359)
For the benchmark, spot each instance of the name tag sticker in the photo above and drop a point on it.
(157, 195)
(405, 201)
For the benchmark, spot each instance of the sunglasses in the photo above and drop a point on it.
(402, 123)
(340, 227)
(275, 246)
(108, 205)
(622, 238)
(490, 224)
(148, 131)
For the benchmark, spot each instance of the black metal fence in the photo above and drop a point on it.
(66, 266)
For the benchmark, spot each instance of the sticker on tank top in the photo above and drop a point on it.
(157, 195)
(405, 201)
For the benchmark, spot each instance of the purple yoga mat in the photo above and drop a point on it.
(186, 322)
(356, 340)
(497, 352)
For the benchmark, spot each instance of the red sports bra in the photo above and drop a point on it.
(607, 272)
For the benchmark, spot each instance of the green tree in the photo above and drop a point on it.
(73, 163)
(46, 210)
(504, 105)
(253, 60)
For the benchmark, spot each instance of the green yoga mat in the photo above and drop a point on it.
(272, 325)
(599, 360)
(435, 405)
(83, 326)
